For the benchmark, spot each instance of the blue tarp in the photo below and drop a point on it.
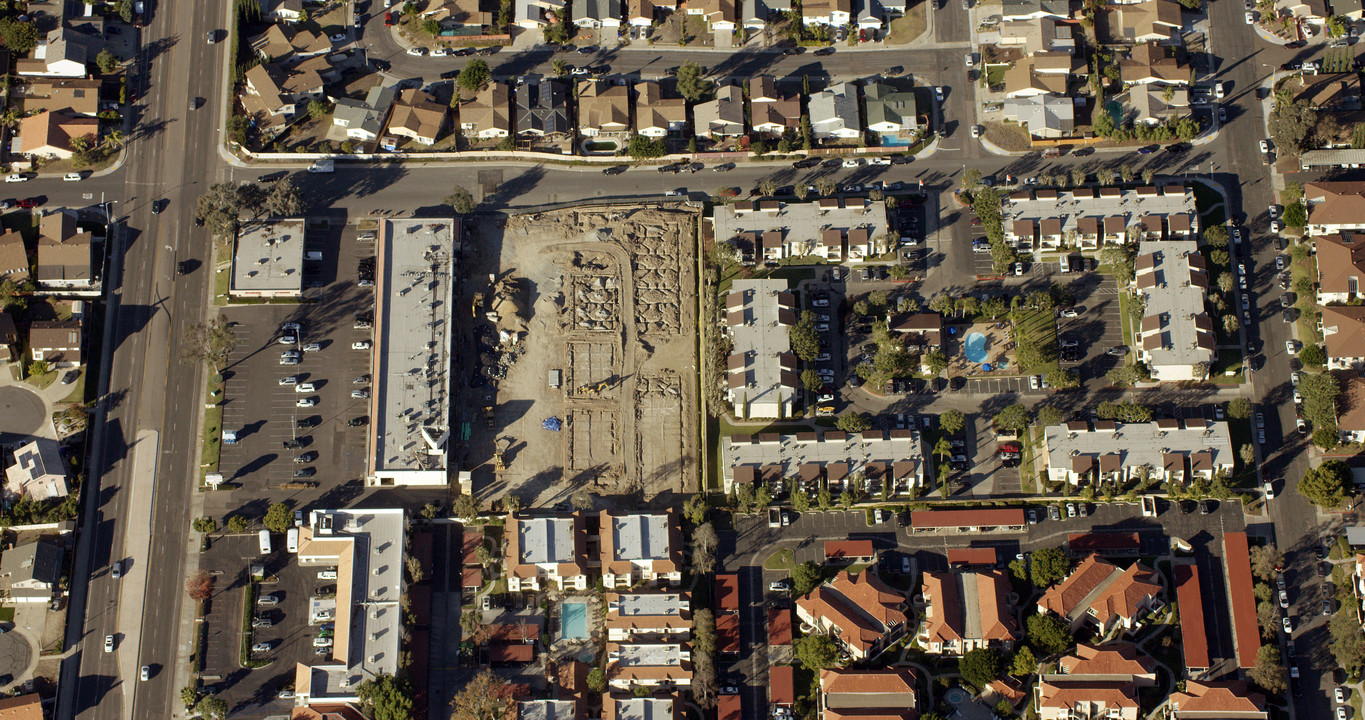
(551, 423)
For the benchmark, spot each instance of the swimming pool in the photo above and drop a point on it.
(573, 620)
(976, 348)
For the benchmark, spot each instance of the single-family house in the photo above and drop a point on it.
(1030, 9)
(289, 11)
(14, 263)
(1153, 104)
(418, 117)
(772, 112)
(1343, 329)
(834, 13)
(38, 473)
(64, 52)
(66, 258)
(889, 111)
(655, 115)
(363, 120)
(75, 96)
(603, 108)
(543, 108)
(723, 116)
(597, 14)
(1334, 206)
(50, 134)
(285, 44)
(1146, 21)
(55, 342)
(1040, 34)
(1151, 63)
(834, 113)
(1045, 116)
(29, 573)
(489, 115)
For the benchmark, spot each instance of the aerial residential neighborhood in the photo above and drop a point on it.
(702, 360)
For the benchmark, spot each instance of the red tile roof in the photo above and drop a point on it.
(1108, 659)
(779, 626)
(840, 549)
(990, 517)
(729, 707)
(861, 606)
(1099, 585)
(1217, 700)
(727, 633)
(781, 685)
(971, 556)
(727, 592)
(1195, 641)
(1246, 634)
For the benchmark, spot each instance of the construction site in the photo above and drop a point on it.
(585, 333)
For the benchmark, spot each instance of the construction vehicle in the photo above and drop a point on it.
(592, 388)
(488, 415)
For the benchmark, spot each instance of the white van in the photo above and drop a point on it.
(1066, 263)
(265, 542)
(327, 574)
(292, 539)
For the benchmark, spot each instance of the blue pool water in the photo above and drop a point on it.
(889, 140)
(976, 348)
(573, 621)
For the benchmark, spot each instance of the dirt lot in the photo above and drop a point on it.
(607, 297)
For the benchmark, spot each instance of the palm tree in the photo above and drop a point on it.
(561, 67)
(114, 138)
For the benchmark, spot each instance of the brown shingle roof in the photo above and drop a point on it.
(1340, 259)
(1348, 340)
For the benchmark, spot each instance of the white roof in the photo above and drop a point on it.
(640, 537)
(546, 540)
(269, 258)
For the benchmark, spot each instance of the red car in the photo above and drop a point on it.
(1008, 447)
(27, 203)
(389, 19)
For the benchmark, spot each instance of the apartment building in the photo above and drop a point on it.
(1087, 218)
(1176, 336)
(544, 550)
(834, 460)
(1334, 206)
(1111, 452)
(648, 616)
(888, 694)
(965, 611)
(762, 372)
(1102, 594)
(640, 547)
(862, 613)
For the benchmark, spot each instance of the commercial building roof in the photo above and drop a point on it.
(779, 626)
(410, 404)
(1127, 204)
(1336, 157)
(1103, 542)
(547, 710)
(1245, 630)
(1194, 639)
(268, 259)
(972, 556)
(624, 707)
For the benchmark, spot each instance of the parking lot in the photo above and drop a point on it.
(270, 405)
(1097, 327)
(289, 634)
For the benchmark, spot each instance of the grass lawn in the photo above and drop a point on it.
(1205, 200)
(77, 394)
(7, 614)
(909, 26)
(1227, 359)
(1026, 469)
(42, 381)
(783, 559)
(995, 74)
(1307, 324)
(1125, 324)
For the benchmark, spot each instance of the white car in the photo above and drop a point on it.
(417, 51)
(1265, 146)
(976, 131)
(971, 59)
(15, 178)
(339, 37)
(1018, 268)
(1070, 313)
(72, 177)
(852, 162)
(1276, 226)
(306, 402)
(1290, 347)
(360, 345)
(145, 673)
(360, 394)
(1294, 379)
(1341, 713)
(1274, 210)
(1033, 382)
(1287, 624)
(109, 644)
(1251, 18)
(289, 380)
(1341, 695)
(440, 52)
(879, 161)
(938, 93)
(304, 388)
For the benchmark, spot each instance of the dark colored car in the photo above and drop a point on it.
(305, 472)
(159, 205)
(824, 51)
(1082, 152)
(184, 267)
(308, 422)
(806, 163)
(361, 421)
(614, 170)
(294, 444)
(27, 202)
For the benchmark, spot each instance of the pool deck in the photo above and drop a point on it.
(997, 340)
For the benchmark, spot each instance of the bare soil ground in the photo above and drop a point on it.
(612, 305)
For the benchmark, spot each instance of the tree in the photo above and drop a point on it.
(460, 201)
(14, 295)
(37, 368)
(1296, 215)
(212, 708)
(695, 509)
(1217, 236)
(210, 343)
(806, 577)
(952, 421)
(474, 75)
(220, 208)
(1050, 565)
(800, 500)
(970, 180)
(804, 340)
(935, 361)
(1326, 484)
(204, 525)
(1291, 123)
(1023, 663)
(1348, 641)
(597, 681)
(704, 632)
(1268, 619)
(284, 199)
(278, 518)
(1239, 408)
(1048, 633)
(643, 148)
(1312, 355)
(189, 697)
(1049, 415)
(816, 652)
(20, 37)
(125, 10)
(106, 62)
(854, 422)
(237, 524)
(1268, 672)
(1248, 454)
(704, 544)
(486, 697)
(1012, 419)
(199, 586)
(691, 84)
(465, 507)
(980, 666)
(1320, 393)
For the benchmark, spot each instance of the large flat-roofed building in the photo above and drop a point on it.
(621, 706)
(1175, 337)
(410, 360)
(839, 460)
(836, 229)
(1090, 217)
(640, 547)
(367, 549)
(761, 370)
(551, 548)
(268, 260)
(1170, 450)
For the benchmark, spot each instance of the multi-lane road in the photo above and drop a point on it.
(143, 467)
